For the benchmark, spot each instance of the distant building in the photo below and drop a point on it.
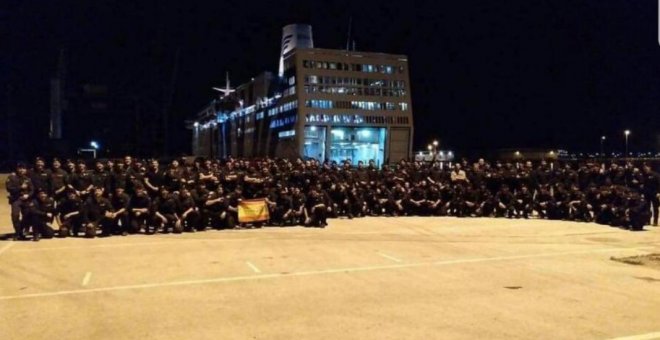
(327, 104)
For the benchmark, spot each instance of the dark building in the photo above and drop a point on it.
(323, 104)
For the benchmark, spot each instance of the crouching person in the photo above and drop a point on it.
(68, 214)
(42, 214)
(315, 210)
(165, 213)
(215, 208)
(138, 210)
(190, 217)
(120, 201)
(97, 214)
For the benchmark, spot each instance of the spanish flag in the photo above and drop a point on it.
(255, 210)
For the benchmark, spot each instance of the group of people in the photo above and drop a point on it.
(128, 196)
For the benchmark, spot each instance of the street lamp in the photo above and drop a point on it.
(626, 133)
(602, 149)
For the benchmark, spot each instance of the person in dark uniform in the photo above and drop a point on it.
(638, 212)
(233, 200)
(283, 211)
(543, 201)
(58, 179)
(68, 214)
(20, 189)
(190, 216)
(504, 202)
(120, 217)
(101, 178)
(173, 177)
(315, 210)
(523, 202)
(41, 215)
(81, 181)
(97, 214)
(579, 208)
(139, 210)
(154, 179)
(39, 176)
(165, 212)
(651, 191)
(486, 202)
(216, 209)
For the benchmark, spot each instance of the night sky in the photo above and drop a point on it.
(484, 74)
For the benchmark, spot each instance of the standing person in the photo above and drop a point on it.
(39, 175)
(651, 190)
(153, 179)
(41, 215)
(458, 175)
(58, 180)
(101, 178)
(97, 213)
(173, 177)
(20, 189)
(119, 178)
(81, 181)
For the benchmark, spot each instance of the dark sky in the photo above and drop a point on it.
(484, 74)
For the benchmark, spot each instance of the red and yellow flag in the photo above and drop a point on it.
(255, 210)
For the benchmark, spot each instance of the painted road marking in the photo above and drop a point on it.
(253, 267)
(88, 276)
(647, 336)
(311, 273)
(178, 241)
(389, 257)
(6, 247)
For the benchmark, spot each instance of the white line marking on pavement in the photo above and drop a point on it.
(647, 336)
(310, 273)
(88, 276)
(178, 241)
(6, 247)
(389, 257)
(253, 267)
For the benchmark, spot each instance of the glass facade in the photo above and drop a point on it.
(314, 146)
(357, 144)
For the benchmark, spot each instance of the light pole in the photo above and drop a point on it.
(435, 150)
(430, 148)
(626, 133)
(602, 149)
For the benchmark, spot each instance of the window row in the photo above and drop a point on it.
(356, 105)
(356, 119)
(289, 91)
(331, 80)
(337, 119)
(355, 91)
(368, 68)
(283, 108)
